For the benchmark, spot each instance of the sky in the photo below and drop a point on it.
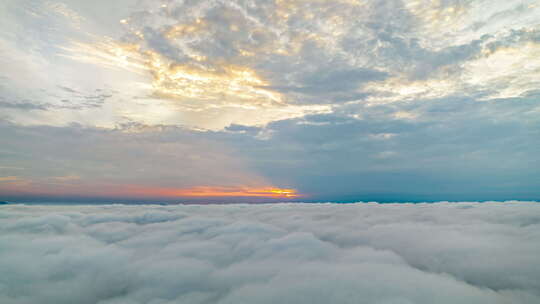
(219, 100)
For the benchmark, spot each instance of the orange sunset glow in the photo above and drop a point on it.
(36, 188)
(207, 191)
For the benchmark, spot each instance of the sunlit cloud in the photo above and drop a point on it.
(400, 89)
(65, 11)
(198, 87)
(212, 64)
(439, 21)
(515, 70)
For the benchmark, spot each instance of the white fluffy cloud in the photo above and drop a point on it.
(284, 253)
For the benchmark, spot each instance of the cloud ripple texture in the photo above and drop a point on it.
(276, 253)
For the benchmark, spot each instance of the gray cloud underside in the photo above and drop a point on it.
(179, 157)
(455, 146)
(370, 149)
(285, 253)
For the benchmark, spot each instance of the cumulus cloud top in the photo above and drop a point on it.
(285, 253)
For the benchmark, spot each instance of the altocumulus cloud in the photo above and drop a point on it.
(284, 253)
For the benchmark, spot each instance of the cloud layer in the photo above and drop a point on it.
(286, 253)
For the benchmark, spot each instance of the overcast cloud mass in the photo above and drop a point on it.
(278, 253)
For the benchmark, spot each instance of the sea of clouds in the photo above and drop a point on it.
(276, 253)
